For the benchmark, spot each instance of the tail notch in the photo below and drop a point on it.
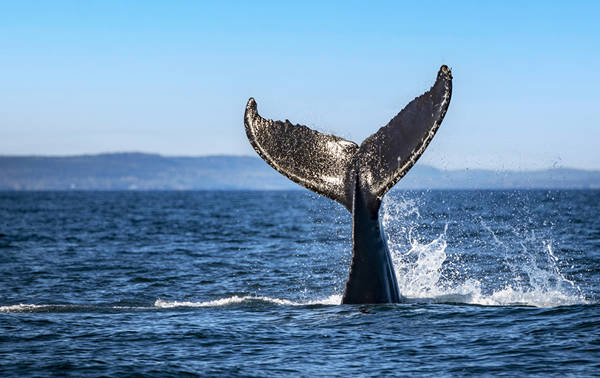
(332, 166)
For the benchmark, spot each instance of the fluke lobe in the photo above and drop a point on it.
(356, 176)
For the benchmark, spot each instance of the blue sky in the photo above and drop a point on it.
(174, 77)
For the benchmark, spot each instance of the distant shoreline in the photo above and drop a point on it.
(142, 171)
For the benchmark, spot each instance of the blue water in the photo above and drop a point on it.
(249, 283)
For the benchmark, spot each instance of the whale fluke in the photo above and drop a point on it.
(327, 164)
(387, 155)
(320, 162)
(357, 177)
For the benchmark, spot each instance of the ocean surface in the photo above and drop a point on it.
(249, 284)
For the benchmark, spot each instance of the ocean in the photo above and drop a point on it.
(218, 283)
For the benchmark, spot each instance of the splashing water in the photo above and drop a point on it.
(529, 276)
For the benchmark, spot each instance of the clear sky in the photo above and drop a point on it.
(173, 77)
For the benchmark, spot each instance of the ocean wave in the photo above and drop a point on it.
(22, 307)
(65, 308)
(331, 300)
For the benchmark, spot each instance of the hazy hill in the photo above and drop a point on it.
(128, 171)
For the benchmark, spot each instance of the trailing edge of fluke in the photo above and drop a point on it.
(356, 176)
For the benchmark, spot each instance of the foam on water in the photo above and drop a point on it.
(160, 303)
(22, 307)
(331, 300)
(221, 302)
(58, 308)
(420, 267)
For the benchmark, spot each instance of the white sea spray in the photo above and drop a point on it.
(422, 266)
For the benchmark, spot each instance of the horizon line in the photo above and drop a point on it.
(257, 157)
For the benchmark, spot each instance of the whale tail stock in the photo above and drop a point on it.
(334, 167)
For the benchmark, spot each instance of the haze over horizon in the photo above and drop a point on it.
(174, 78)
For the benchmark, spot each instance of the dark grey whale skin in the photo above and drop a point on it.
(356, 176)
(371, 278)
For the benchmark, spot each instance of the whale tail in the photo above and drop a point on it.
(333, 167)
